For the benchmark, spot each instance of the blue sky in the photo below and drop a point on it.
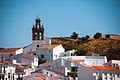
(59, 17)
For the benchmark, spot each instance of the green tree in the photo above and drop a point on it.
(87, 36)
(74, 35)
(97, 35)
(84, 38)
(107, 36)
(80, 52)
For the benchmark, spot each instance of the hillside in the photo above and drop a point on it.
(109, 47)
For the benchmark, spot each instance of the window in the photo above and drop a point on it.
(105, 77)
(51, 75)
(74, 69)
(8, 75)
(30, 50)
(113, 65)
(56, 56)
(11, 54)
(49, 51)
(37, 45)
(116, 64)
(2, 77)
(110, 76)
(42, 56)
(4, 69)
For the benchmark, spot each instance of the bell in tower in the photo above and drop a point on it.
(38, 30)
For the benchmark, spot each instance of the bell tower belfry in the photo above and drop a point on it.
(37, 30)
(38, 37)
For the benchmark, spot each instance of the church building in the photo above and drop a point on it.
(38, 37)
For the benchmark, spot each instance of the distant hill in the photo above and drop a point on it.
(103, 46)
(112, 36)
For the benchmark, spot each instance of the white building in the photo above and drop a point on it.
(59, 68)
(8, 71)
(114, 63)
(5, 54)
(88, 60)
(98, 73)
(49, 52)
(36, 43)
(54, 72)
(26, 60)
(78, 70)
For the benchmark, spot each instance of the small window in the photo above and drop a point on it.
(8, 75)
(113, 65)
(74, 69)
(51, 75)
(37, 45)
(42, 56)
(31, 50)
(47, 72)
(11, 54)
(49, 51)
(64, 54)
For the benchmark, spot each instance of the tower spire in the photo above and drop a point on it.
(38, 32)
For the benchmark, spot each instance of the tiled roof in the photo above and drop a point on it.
(48, 46)
(8, 63)
(53, 78)
(17, 71)
(77, 60)
(103, 67)
(39, 78)
(23, 55)
(4, 63)
(40, 74)
(53, 71)
(33, 53)
(10, 50)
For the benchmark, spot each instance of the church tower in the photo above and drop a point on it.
(37, 30)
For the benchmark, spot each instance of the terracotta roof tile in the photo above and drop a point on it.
(40, 74)
(77, 60)
(39, 78)
(10, 50)
(92, 67)
(103, 67)
(47, 46)
(17, 71)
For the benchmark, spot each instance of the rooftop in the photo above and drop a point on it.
(48, 46)
(39, 78)
(103, 67)
(10, 50)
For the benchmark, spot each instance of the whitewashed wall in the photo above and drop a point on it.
(19, 51)
(44, 71)
(89, 60)
(57, 50)
(7, 54)
(34, 44)
(50, 54)
(85, 74)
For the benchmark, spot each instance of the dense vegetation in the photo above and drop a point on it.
(103, 46)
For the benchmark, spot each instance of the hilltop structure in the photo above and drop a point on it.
(38, 37)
